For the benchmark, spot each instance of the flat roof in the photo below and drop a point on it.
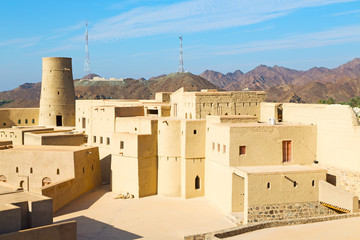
(261, 124)
(279, 169)
(227, 92)
(26, 129)
(9, 195)
(46, 148)
(55, 133)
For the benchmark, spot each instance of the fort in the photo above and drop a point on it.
(252, 160)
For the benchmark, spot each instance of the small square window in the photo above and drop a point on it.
(121, 144)
(242, 150)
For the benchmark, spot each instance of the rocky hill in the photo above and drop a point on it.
(28, 94)
(280, 83)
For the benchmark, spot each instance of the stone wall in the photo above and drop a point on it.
(226, 233)
(58, 231)
(345, 179)
(287, 211)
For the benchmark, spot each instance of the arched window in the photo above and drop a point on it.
(268, 185)
(31, 170)
(83, 169)
(17, 169)
(197, 182)
(185, 115)
(313, 183)
(58, 171)
(46, 181)
(4, 124)
(190, 116)
(3, 178)
(33, 120)
(22, 184)
(19, 121)
(26, 121)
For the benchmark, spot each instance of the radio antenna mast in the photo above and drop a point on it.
(87, 69)
(181, 60)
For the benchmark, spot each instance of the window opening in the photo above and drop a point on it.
(242, 150)
(46, 181)
(197, 182)
(286, 147)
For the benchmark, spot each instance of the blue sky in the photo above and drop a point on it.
(137, 38)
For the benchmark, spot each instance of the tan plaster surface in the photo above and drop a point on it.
(279, 169)
(100, 216)
(332, 230)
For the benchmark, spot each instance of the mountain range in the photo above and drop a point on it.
(280, 84)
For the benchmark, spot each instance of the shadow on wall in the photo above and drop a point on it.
(88, 228)
(87, 200)
(105, 164)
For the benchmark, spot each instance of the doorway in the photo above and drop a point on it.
(238, 193)
(58, 120)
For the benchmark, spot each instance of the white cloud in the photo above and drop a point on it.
(334, 36)
(345, 13)
(196, 16)
(22, 42)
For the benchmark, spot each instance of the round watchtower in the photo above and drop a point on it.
(57, 100)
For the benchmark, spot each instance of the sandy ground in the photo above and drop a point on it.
(100, 216)
(346, 229)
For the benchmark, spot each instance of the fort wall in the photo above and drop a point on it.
(19, 117)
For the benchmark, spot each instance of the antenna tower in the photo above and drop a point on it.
(181, 61)
(87, 70)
